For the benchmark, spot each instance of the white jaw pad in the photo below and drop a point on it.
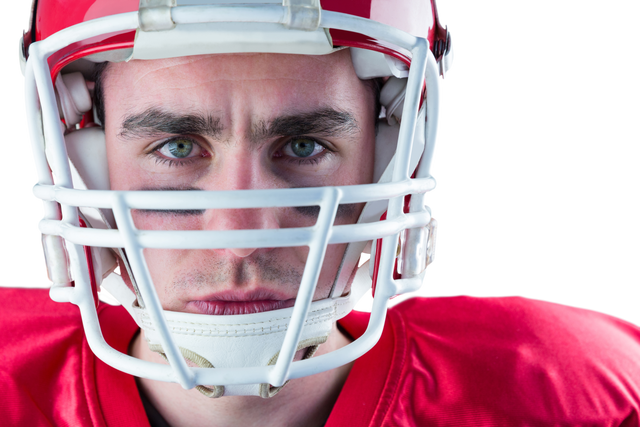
(386, 146)
(386, 142)
(243, 340)
(88, 152)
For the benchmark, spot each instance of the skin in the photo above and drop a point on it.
(242, 94)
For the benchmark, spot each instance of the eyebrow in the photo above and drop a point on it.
(322, 122)
(156, 122)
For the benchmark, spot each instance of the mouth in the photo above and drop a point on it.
(225, 308)
(228, 304)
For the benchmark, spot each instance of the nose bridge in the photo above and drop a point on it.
(239, 169)
(241, 162)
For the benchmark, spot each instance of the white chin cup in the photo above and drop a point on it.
(245, 340)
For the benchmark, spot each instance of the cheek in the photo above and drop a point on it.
(146, 220)
(130, 168)
(166, 267)
(122, 170)
(126, 162)
(332, 260)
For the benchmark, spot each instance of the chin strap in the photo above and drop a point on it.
(241, 340)
(265, 390)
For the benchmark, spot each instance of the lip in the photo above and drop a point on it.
(234, 303)
(228, 308)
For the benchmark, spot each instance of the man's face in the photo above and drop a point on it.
(234, 122)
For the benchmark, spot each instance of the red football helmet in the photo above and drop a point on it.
(87, 225)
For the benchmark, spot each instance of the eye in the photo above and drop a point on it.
(302, 147)
(179, 148)
(178, 151)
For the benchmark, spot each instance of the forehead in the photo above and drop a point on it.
(277, 81)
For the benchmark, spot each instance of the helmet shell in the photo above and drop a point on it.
(416, 17)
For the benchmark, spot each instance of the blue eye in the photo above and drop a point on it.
(179, 148)
(179, 151)
(302, 147)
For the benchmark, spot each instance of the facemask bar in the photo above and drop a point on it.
(39, 91)
(317, 246)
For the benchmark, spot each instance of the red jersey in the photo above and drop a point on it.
(440, 362)
(477, 362)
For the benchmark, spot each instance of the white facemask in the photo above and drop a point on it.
(243, 340)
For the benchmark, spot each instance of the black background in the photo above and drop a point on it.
(524, 202)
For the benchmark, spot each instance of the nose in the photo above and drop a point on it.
(242, 252)
(241, 170)
(241, 219)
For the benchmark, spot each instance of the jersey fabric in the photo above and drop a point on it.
(48, 374)
(479, 362)
(457, 361)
